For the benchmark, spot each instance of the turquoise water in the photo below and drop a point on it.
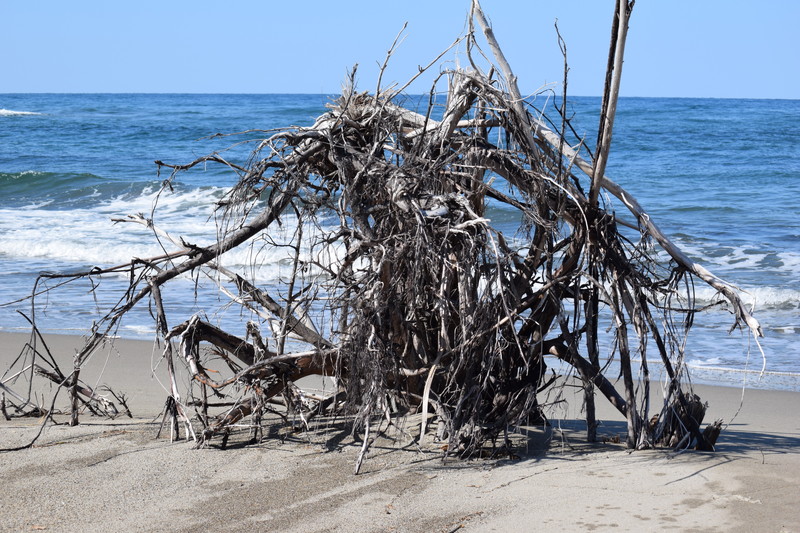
(720, 177)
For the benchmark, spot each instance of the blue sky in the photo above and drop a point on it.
(683, 48)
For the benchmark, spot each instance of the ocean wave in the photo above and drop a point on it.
(789, 260)
(73, 239)
(705, 208)
(12, 113)
(39, 186)
(745, 262)
(759, 297)
(785, 330)
(64, 191)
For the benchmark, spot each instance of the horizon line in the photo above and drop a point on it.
(241, 93)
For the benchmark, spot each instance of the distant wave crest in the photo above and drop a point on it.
(41, 185)
(12, 113)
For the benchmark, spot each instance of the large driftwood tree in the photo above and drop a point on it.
(403, 289)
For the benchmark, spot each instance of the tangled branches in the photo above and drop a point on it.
(404, 290)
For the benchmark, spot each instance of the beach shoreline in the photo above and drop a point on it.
(114, 474)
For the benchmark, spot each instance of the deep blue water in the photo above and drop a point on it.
(720, 177)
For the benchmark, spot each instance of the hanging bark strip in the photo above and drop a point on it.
(403, 290)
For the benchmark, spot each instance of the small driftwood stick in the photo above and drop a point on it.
(104, 404)
(3, 406)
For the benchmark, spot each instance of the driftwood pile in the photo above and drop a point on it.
(404, 291)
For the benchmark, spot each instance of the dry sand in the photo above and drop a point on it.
(113, 475)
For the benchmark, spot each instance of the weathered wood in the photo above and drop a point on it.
(3, 406)
(608, 110)
(589, 373)
(103, 404)
(201, 331)
(403, 289)
(173, 407)
(710, 436)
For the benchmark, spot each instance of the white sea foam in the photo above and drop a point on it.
(140, 330)
(790, 261)
(87, 236)
(31, 173)
(760, 297)
(12, 113)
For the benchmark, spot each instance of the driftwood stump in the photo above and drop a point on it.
(403, 289)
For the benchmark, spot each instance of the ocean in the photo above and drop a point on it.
(721, 177)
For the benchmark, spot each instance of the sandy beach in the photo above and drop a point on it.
(114, 475)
